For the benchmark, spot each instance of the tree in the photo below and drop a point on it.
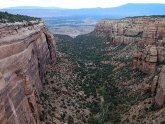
(70, 120)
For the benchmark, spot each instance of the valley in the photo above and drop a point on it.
(90, 84)
(111, 73)
(73, 25)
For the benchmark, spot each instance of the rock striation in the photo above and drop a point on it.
(144, 30)
(25, 50)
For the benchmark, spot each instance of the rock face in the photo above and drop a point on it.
(160, 91)
(144, 30)
(119, 31)
(26, 48)
(146, 60)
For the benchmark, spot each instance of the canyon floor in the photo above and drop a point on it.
(93, 82)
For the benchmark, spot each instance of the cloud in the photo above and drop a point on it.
(73, 3)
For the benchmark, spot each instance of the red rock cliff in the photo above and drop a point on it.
(148, 34)
(144, 30)
(25, 50)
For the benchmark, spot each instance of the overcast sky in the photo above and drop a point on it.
(73, 3)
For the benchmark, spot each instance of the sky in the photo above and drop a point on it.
(74, 4)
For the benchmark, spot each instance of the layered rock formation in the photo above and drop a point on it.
(148, 34)
(146, 60)
(26, 48)
(144, 30)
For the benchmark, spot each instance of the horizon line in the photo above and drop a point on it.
(53, 7)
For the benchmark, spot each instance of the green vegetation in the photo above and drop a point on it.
(94, 120)
(152, 16)
(70, 120)
(7, 17)
(101, 80)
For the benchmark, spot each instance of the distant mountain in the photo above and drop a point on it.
(115, 12)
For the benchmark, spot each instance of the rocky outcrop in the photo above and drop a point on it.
(26, 49)
(146, 60)
(122, 31)
(160, 90)
(144, 30)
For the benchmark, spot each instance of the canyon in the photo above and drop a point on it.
(115, 74)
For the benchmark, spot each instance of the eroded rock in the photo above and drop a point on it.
(146, 60)
(160, 92)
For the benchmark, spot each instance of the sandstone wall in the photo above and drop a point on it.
(144, 30)
(25, 49)
(146, 60)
